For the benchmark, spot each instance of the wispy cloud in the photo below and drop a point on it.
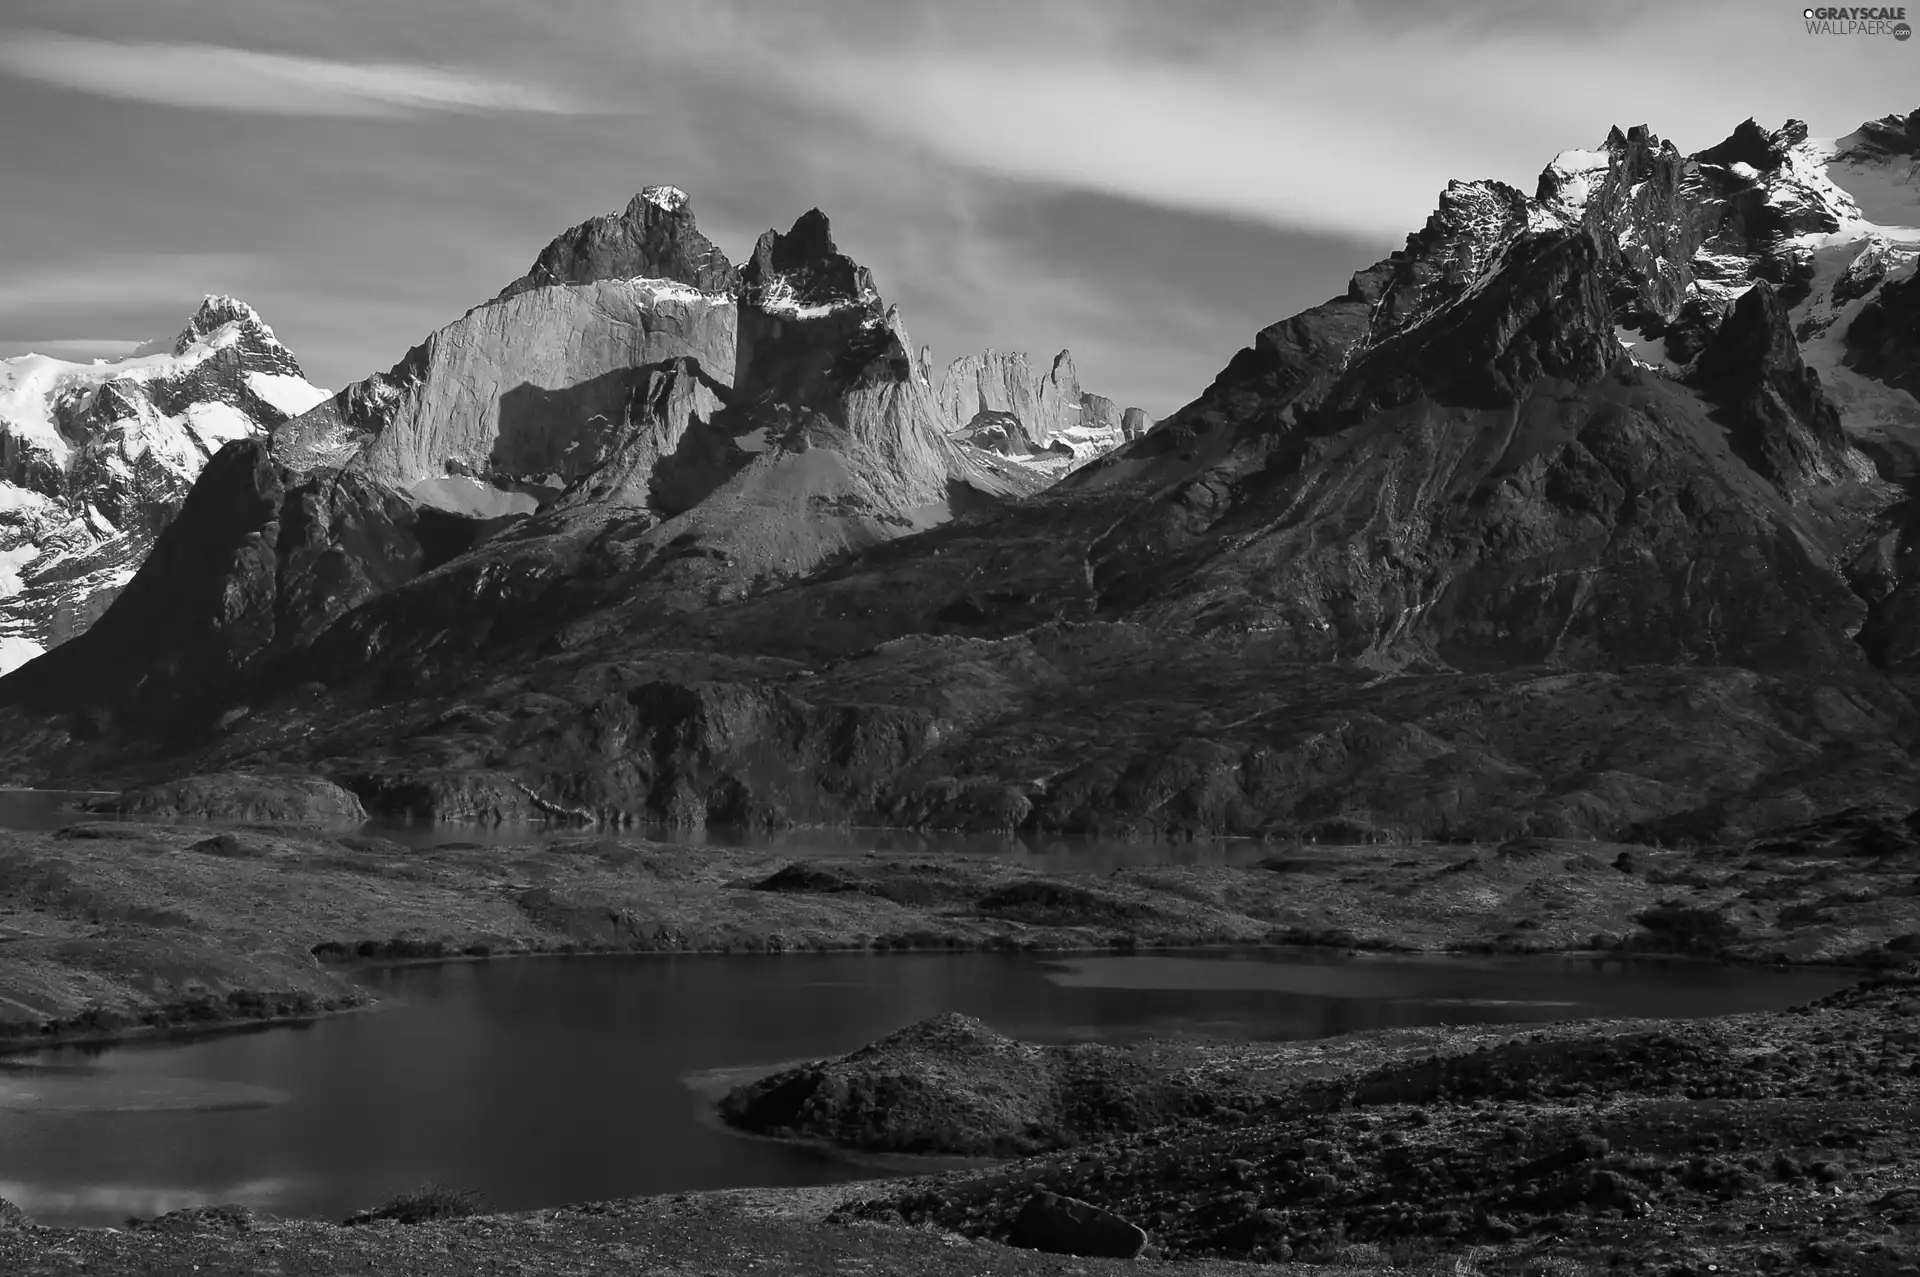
(218, 78)
(1345, 118)
(77, 348)
(122, 282)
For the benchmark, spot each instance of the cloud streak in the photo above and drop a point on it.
(123, 282)
(1348, 118)
(214, 77)
(79, 349)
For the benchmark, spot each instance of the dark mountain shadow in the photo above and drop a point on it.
(554, 437)
(445, 536)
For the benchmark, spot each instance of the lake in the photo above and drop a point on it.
(543, 1081)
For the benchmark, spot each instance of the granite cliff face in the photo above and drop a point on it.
(505, 407)
(95, 460)
(1044, 421)
(1588, 512)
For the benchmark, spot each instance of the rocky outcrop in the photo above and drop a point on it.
(1889, 137)
(1883, 341)
(1459, 243)
(1781, 421)
(1542, 312)
(951, 1085)
(95, 460)
(1068, 1226)
(249, 798)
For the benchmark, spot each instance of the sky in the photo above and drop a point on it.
(1148, 184)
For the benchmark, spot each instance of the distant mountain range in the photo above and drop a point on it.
(1589, 512)
(493, 415)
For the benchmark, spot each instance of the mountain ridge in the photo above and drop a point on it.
(1584, 513)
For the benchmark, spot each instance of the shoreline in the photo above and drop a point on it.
(16, 1045)
(148, 932)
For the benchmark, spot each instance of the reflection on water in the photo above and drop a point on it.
(79, 1089)
(54, 809)
(113, 1203)
(45, 808)
(538, 1082)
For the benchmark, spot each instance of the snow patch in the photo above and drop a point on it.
(17, 500)
(459, 494)
(218, 424)
(286, 393)
(672, 290)
(1577, 174)
(11, 561)
(29, 385)
(1647, 352)
(777, 297)
(16, 651)
(1886, 189)
(670, 198)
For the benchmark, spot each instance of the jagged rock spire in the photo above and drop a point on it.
(654, 237)
(803, 271)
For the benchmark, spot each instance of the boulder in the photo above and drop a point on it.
(189, 1220)
(1068, 1226)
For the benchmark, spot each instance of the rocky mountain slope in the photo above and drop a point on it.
(1588, 513)
(588, 428)
(96, 458)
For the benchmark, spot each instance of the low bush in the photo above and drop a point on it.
(422, 1205)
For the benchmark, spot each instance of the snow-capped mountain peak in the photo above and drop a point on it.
(223, 321)
(96, 457)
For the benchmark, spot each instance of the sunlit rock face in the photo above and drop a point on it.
(1043, 422)
(521, 396)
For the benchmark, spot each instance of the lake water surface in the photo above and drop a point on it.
(544, 1081)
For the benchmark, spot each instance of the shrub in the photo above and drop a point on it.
(1675, 927)
(428, 1202)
